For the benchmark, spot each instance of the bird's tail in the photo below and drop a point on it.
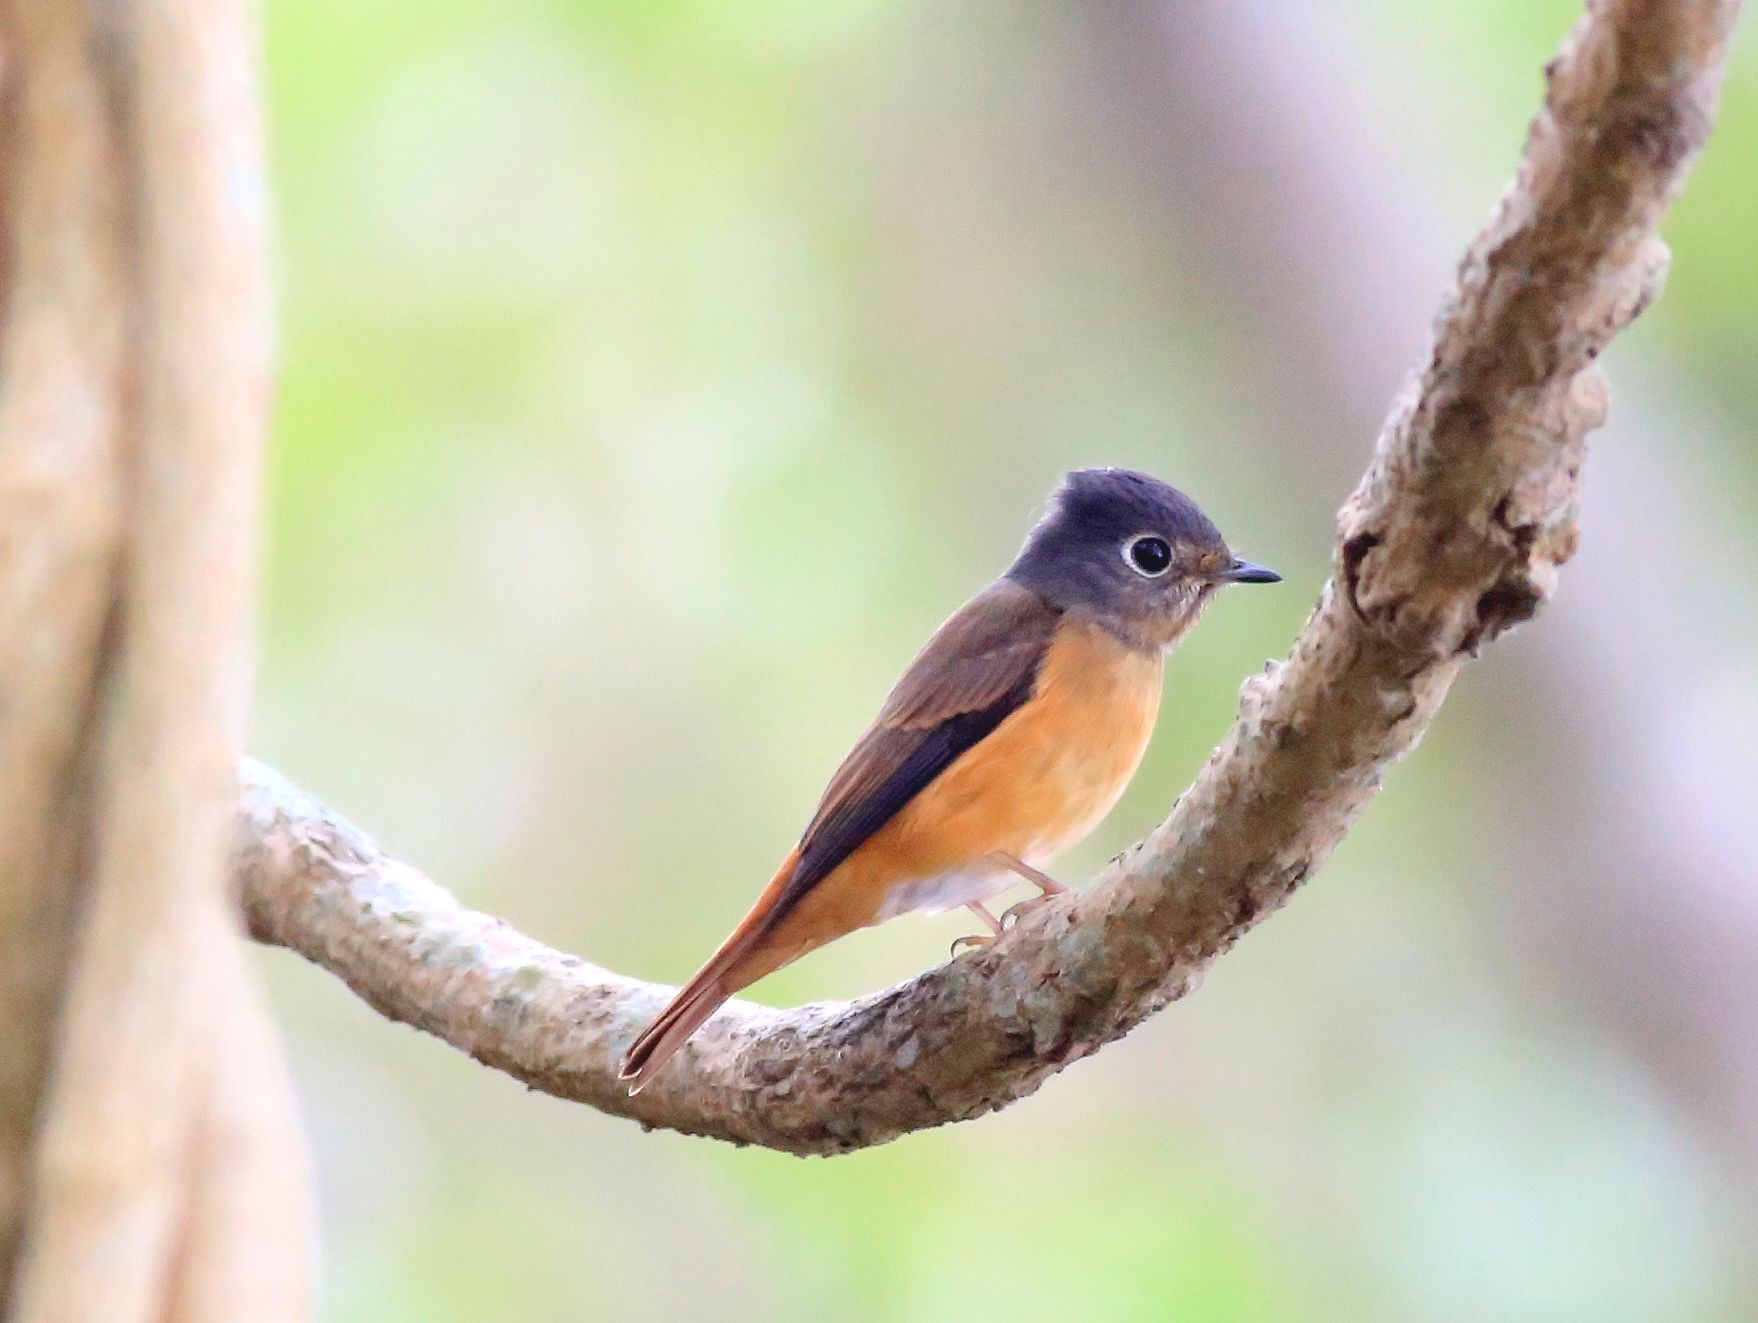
(736, 964)
(696, 1001)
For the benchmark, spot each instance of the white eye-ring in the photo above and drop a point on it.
(1148, 554)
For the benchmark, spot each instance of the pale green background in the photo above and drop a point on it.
(657, 374)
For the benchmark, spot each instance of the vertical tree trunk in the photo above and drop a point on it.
(150, 1163)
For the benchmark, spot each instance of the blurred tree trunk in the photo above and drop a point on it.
(150, 1164)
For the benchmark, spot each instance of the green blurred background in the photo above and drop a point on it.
(656, 374)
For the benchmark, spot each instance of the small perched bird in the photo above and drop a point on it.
(1008, 739)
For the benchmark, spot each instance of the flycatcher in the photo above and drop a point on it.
(1009, 738)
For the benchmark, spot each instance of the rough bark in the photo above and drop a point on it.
(1454, 535)
(133, 394)
(1319, 243)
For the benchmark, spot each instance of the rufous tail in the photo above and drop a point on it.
(728, 969)
(698, 1000)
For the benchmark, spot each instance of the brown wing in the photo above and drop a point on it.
(979, 666)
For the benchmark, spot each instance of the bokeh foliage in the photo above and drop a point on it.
(655, 375)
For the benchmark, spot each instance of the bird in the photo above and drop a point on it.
(1009, 738)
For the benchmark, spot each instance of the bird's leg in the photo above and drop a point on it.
(1042, 881)
(977, 939)
(1047, 886)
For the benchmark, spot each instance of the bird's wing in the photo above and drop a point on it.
(979, 666)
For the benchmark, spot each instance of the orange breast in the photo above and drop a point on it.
(1049, 773)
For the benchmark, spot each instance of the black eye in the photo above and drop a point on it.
(1151, 556)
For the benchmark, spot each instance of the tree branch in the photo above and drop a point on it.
(1289, 229)
(1454, 535)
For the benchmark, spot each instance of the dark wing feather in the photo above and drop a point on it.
(979, 666)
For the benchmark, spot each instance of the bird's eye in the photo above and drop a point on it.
(1150, 556)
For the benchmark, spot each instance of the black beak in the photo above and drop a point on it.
(1243, 571)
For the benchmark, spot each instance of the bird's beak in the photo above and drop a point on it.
(1243, 571)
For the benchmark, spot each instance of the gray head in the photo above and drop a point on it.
(1132, 552)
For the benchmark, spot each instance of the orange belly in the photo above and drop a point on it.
(1040, 782)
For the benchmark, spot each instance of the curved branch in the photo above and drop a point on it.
(1454, 534)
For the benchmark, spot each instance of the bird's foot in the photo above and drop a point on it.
(980, 940)
(1047, 886)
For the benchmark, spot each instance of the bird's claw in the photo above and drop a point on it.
(975, 940)
(1013, 913)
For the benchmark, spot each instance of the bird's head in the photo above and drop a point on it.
(1132, 553)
